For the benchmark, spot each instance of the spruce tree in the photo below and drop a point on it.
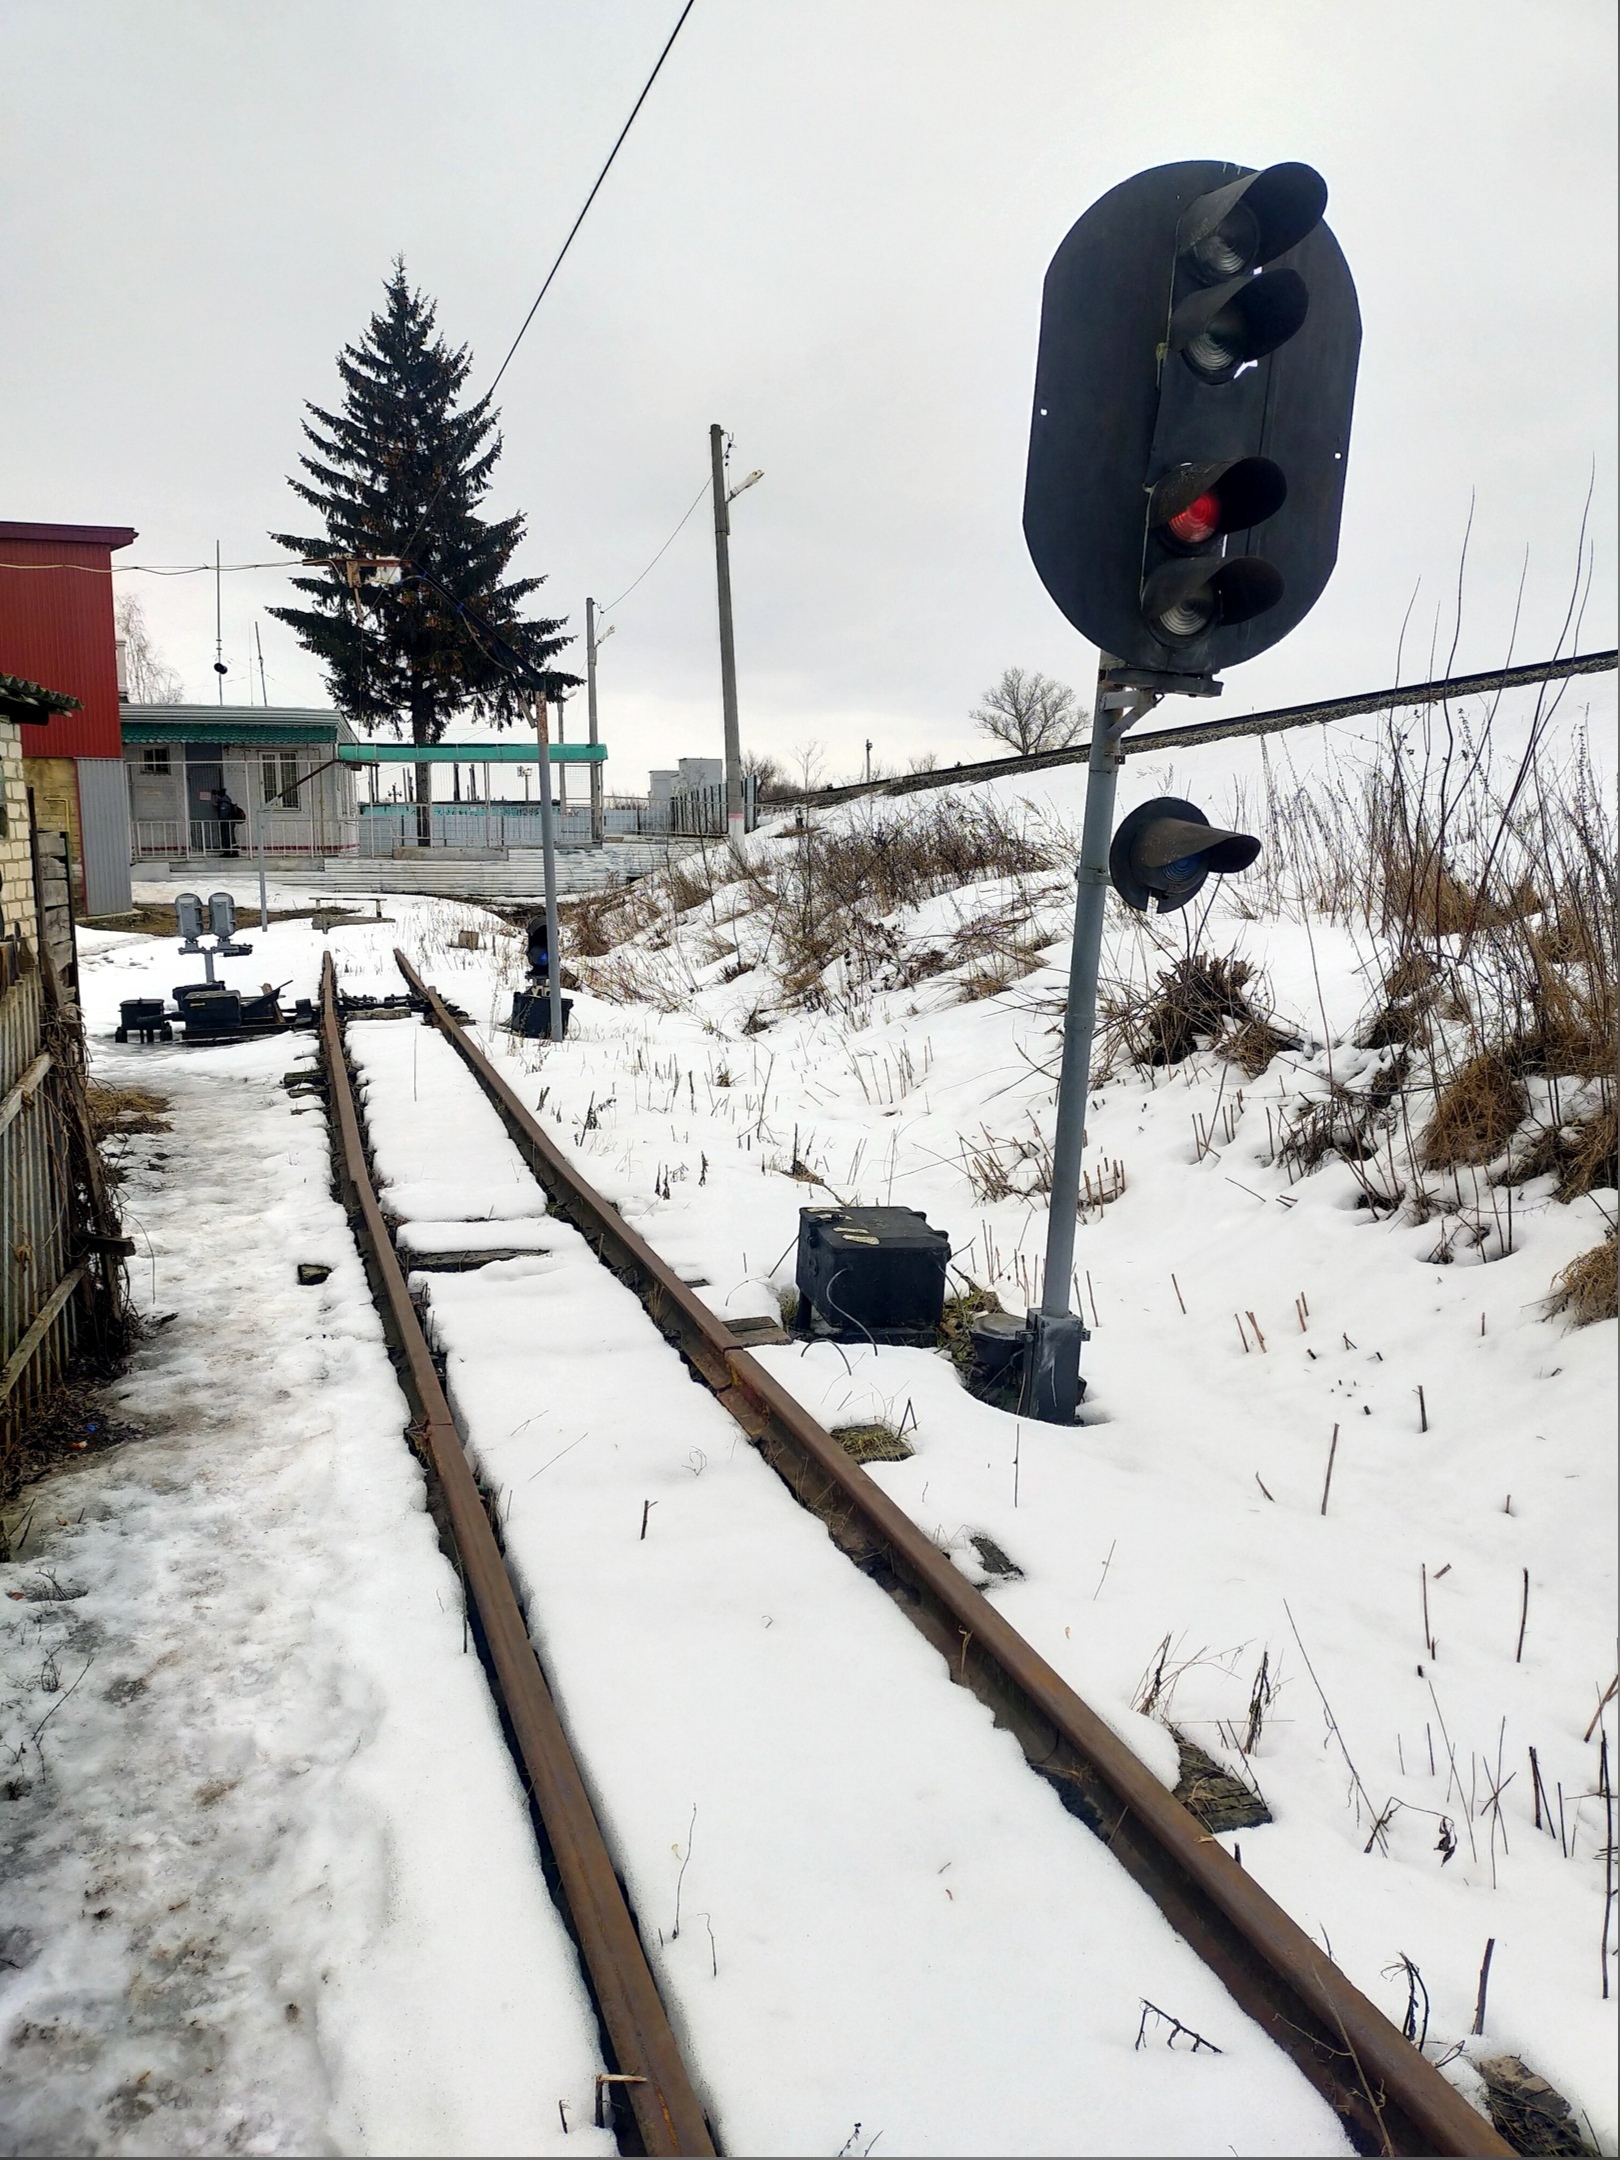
(397, 470)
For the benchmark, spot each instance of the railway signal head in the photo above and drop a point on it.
(189, 918)
(1166, 849)
(1193, 394)
(221, 914)
(538, 946)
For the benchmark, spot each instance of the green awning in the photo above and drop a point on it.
(477, 753)
(278, 735)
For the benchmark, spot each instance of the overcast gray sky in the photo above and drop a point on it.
(828, 231)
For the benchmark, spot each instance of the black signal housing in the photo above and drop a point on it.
(1199, 329)
(1166, 850)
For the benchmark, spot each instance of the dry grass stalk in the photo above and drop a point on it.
(124, 1110)
(1191, 1000)
(1589, 1288)
(1476, 1113)
(1582, 1155)
(1254, 1045)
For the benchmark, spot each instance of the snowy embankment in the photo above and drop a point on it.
(270, 1882)
(1403, 1637)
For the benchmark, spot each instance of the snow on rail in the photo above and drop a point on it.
(859, 1903)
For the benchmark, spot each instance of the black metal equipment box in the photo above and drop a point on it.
(871, 1271)
(209, 1011)
(531, 1013)
(145, 1018)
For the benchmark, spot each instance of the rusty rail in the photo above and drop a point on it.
(1390, 2098)
(647, 2061)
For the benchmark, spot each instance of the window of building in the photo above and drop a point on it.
(280, 779)
(155, 757)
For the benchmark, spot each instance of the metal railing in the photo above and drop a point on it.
(285, 838)
(701, 811)
(475, 828)
(494, 828)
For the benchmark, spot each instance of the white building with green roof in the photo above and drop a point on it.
(277, 767)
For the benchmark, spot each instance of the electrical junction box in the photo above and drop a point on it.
(144, 1018)
(531, 1013)
(871, 1272)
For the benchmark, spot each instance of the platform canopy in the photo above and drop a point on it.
(476, 753)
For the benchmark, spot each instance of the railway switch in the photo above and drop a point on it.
(871, 1273)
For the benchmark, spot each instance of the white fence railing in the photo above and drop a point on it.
(493, 827)
(285, 838)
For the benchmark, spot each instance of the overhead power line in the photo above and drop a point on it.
(294, 562)
(591, 197)
(662, 552)
(409, 548)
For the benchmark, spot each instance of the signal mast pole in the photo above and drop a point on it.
(1053, 1334)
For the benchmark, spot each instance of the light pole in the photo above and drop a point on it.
(548, 861)
(728, 655)
(593, 645)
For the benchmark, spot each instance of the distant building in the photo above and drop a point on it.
(56, 627)
(275, 766)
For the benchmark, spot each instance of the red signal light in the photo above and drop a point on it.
(1200, 521)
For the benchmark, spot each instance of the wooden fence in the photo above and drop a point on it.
(39, 1271)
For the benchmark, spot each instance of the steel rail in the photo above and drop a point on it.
(1389, 2098)
(669, 2117)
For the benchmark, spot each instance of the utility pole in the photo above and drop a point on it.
(598, 823)
(219, 640)
(548, 856)
(728, 655)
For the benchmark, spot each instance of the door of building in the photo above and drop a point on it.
(203, 775)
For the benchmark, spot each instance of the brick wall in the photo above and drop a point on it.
(16, 866)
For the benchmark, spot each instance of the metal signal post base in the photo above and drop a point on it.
(1051, 1388)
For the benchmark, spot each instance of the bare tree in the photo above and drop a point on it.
(150, 680)
(1031, 712)
(769, 774)
(810, 766)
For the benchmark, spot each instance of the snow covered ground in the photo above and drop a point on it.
(270, 1885)
(1187, 1510)
(861, 1906)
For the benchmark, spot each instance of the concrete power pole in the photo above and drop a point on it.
(597, 822)
(548, 859)
(728, 654)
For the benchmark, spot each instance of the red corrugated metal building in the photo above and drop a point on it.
(56, 628)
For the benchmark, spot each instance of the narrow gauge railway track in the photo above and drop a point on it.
(646, 2060)
(1389, 2098)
